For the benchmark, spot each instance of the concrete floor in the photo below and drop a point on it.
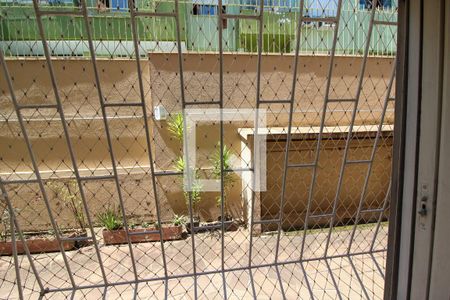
(359, 275)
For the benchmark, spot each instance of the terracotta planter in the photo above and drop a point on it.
(169, 233)
(212, 226)
(38, 245)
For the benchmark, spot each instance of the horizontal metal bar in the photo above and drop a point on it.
(238, 170)
(310, 165)
(122, 104)
(234, 16)
(93, 178)
(153, 14)
(20, 181)
(178, 173)
(391, 99)
(341, 100)
(203, 103)
(270, 221)
(60, 13)
(76, 239)
(168, 173)
(34, 180)
(388, 23)
(218, 271)
(143, 232)
(354, 162)
(324, 20)
(374, 210)
(212, 226)
(321, 216)
(38, 106)
(274, 101)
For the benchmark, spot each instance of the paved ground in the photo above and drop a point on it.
(339, 276)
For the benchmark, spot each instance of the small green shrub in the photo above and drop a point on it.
(228, 178)
(67, 192)
(196, 186)
(176, 126)
(179, 220)
(110, 219)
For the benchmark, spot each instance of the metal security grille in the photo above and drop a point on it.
(94, 148)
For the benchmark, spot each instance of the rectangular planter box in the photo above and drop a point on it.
(212, 226)
(169, 233)
(37, 245)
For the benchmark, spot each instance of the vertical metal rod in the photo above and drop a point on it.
(358, 278)
(36, 168)
(377, 265)
(289, 135)
(258, 102)
(185, 147)
(322, 125)
(277, 269)
(55, 88)
(147, 130)
(350, 130)
(20, 233)
(380, 217)
(13, 241)
(333, 279)
(69, 145)
(222, 194)
(308, 285)
(372, 157)
(72, 157)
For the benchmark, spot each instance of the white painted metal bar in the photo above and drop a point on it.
(108, 134)
(322, 125)
(185, 148)
(36, 170)
(372, 155)
(12, 231)
(258, 103)
(350, 131)
(69, 144)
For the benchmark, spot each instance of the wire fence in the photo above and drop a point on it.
(95, 153)
(198, 28)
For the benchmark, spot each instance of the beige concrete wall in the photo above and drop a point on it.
(119, 82)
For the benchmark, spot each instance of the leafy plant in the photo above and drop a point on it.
(110, 219)
(179, 220)
(5, 219)
(66, 191)
(175, 125)
(228, 177)
(196, 187)
(176, 128)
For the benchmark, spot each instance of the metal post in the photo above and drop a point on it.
(185, 147)
(322, 122)
(147, 130)
(258, 103)
(20, 233)
(350, 131)
(372, 158)
(3, 197)
(289, 136)
(36, 169)
(222, 194)
(49, 63)
(68, 140)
